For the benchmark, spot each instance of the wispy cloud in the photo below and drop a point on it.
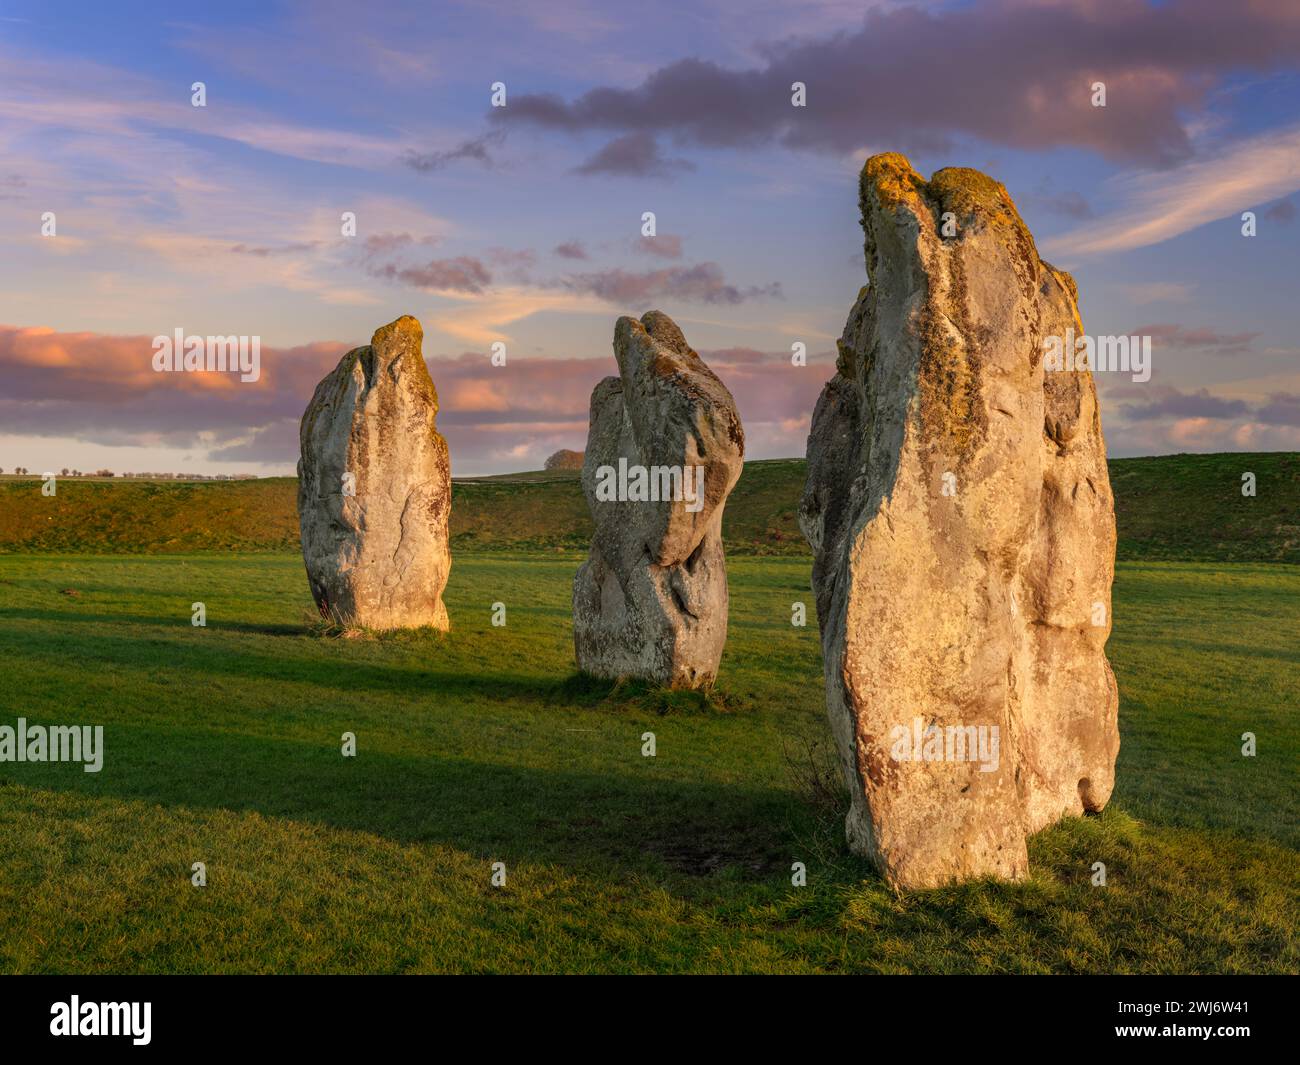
(37, 97)
(1161, 205)
(1159, 292)
(463, 273)
(664, 246)
(475, 148)
(698, 283)
(1173, 335)
(634, 155)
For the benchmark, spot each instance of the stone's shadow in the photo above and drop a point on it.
(582, 820)
(177, 621)
(210, 657)
(640, 696)
(625, 814)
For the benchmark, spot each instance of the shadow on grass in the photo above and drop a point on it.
(628, 818)
(208, 655)
(631, 694)
(176, 621)
(630, 814)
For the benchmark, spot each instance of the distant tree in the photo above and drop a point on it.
(565, 460)
(63, 472)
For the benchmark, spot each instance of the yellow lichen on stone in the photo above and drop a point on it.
(892, 179)
(405, 324)
(965, 192)
(1067, 281)
(407, 332)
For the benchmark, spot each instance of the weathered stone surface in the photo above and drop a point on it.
(651, 599)
(377, 555)
(960, 513)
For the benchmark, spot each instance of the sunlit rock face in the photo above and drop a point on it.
(960, 513)
(664, 449)
(374, 487)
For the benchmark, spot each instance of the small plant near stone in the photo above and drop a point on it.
(333, 628)
(813, 768)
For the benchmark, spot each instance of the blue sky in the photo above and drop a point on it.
(522, 224)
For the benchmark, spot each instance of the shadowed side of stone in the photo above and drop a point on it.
(374, 487)
(959, 510)
(664, 449)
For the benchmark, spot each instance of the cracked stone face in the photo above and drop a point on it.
(960, 513)
(651, 599)
(374, 487)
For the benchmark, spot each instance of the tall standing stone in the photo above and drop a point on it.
(374, 487)
(960, 513)
(651, 599)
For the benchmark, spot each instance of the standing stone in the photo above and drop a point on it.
(374, 487)
(651, 599)
(961, 518)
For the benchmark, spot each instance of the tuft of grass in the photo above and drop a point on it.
(336, 628)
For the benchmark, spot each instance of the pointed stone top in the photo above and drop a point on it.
(404, 331)
(666, 332)
(891, 178)
(663, 350)
(889, 183)
(396, 351)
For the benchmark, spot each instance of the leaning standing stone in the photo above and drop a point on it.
(664, 449)
(374, 487)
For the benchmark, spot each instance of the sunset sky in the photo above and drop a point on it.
(522, 224)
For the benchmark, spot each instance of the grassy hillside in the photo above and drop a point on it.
(222, 745)
(1188, 507)
(1177, 508)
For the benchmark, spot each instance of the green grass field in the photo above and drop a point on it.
(223, 746)
(1178, 507)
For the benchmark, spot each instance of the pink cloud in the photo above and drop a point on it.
(102, 389)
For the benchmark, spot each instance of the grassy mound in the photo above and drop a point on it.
(1178, 508)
